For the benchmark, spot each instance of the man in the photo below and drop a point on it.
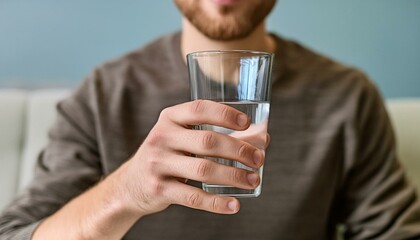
(119, 165)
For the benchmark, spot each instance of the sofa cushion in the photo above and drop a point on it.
(12, 111)
(405, 117)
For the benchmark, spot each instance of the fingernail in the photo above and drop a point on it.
(242, 120)
(253, 179)
(257, 157)
(233, 205)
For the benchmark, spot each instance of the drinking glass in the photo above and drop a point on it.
(242, 80)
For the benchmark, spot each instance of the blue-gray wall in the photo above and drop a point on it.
(56, 43)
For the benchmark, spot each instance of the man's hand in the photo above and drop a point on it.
(155, 177)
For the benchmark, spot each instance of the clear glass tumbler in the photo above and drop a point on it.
(240, 79)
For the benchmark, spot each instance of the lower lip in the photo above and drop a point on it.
(225, 2)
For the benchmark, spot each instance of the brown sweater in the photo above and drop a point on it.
(331, 159)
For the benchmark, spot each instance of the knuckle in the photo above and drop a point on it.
(204, 168)
(242, 151)
(236, 176)
(197, 106)
(194, 200)
(153, 163)
(155, 187)
(156, 136)
(215, 204)
(165, 113)
(208, 140)
(225, 113)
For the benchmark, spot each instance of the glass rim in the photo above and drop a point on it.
(207, 53)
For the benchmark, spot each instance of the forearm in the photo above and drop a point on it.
(103, 212)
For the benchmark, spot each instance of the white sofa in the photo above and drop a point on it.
(25, 117)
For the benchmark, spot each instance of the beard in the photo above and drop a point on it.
(230, 22)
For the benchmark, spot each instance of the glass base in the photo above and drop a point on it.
(231, 191)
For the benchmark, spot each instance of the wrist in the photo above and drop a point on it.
(116, 214)
(118, 193)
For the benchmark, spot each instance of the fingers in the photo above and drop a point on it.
(206, 112)
(192, 197)
(204, 170)
(213, 144)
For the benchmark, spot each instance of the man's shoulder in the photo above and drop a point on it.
(317, 73)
